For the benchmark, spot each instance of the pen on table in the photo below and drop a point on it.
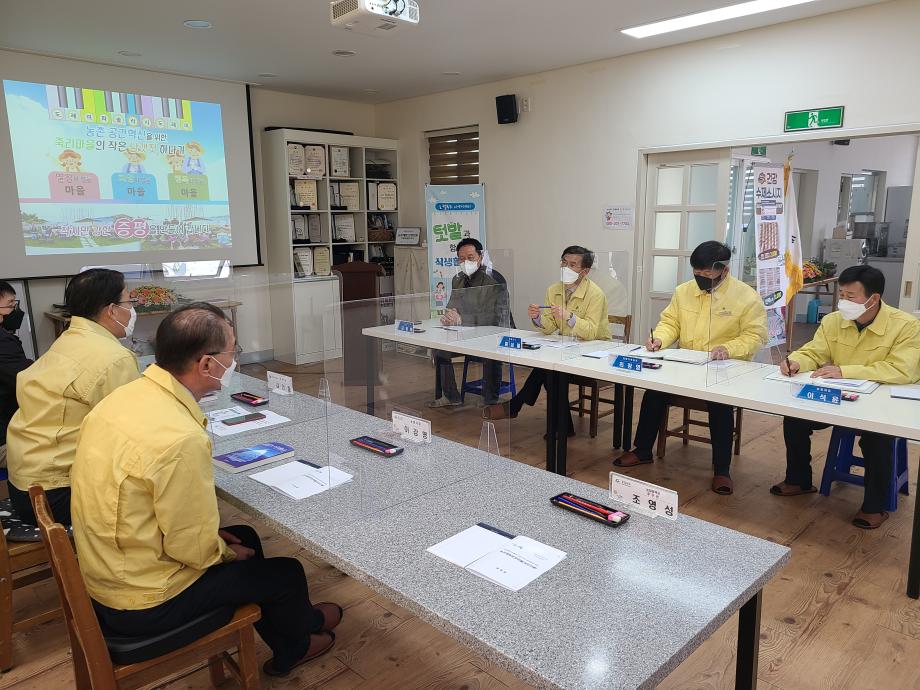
(609, 514)
(788, 367)
(579, 509)
(583, 508)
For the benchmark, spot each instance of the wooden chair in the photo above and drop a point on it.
(589, 390)
(106, 662)
(21, 564)
(683, 431)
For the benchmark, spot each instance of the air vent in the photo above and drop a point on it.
(343, 7)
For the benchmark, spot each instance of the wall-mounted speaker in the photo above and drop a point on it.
(506, 109)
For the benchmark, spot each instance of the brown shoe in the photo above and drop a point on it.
(630, 459)
(869, 520)
(320, 643)
(722, 485)
(498, 411)
(332, 614)
(784, 489)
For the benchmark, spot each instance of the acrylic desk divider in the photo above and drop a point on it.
(738, 341)
(393, 359)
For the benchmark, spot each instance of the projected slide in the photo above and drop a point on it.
(102, 171)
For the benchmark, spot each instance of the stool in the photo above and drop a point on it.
(840, 459)
(475, 387)
(683, 431)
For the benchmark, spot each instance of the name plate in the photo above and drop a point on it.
(821, 394)
(642, 497)
(627, 363)
(510, 342)
(412, 428)
(405, 326)
(279, 383)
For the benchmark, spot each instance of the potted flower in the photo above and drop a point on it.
(153, 298)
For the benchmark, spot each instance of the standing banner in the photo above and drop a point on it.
(454, 212)
(771, 249)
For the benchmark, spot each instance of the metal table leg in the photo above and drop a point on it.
(628, 417)
(551, 416)
(748, 643)
(617, 414)
(562, 420)
(913, 567)
(371, 354)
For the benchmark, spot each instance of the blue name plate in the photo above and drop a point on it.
(628, 363)
(510, 342)
(405, 326)
(822, 394)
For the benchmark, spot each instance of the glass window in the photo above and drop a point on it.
(701, 226)
(664, 273)
(667, 230)
(670, 186)
(703, 182)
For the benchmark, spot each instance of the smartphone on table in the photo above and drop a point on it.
(243, 418)
(376, 446)
(249, 399)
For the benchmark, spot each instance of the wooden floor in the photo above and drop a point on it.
(835, 617)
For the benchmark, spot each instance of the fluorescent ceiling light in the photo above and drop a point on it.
(709, 17)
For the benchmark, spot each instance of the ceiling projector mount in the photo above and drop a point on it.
(373, 17)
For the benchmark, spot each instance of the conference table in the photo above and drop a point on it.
(622, 610)
(744, 385)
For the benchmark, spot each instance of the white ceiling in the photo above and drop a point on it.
(484, 40)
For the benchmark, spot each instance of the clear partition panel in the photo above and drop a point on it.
(739, 341)
(421, 385)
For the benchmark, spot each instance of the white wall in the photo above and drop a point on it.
(549, 175)
(269, 108)
(894, 154)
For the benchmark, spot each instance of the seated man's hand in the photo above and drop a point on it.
(828, 371)
(789, 367)
(560, 313)
(653, 344)
(719, 352)
(228, 537)
(451, 318)
(533, 311)
(243, 553)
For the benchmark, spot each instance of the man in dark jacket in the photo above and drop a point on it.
(12, 359)
(478, 297)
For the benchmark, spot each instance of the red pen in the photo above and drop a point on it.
(609, 514)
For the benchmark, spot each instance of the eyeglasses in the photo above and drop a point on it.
(131, 301)
(238, 350)
(12, 305)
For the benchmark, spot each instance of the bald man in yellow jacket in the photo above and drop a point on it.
(712, 313)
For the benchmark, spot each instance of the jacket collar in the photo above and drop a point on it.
(579, 292)
(721, 288)
(169, 383)
(78, 323)
(878, 326)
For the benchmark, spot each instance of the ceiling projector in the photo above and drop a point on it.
(373, 17)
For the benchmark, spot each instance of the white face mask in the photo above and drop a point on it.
(226, 377)
(132, 319)
(568, 275)
(469, 267)
(852, 310)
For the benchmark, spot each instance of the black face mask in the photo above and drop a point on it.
(707, 284)
(13, 320)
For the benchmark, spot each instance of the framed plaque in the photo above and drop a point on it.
(386, 196)
(305, 194)
(314, 161)
(339, 161)
(295, 160)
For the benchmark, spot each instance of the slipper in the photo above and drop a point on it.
(270, 670)
(341, 613)
(784, 489)
(723, 485)
(861, 521)
(630, 459)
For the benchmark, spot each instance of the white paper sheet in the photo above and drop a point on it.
(299, 480)
(607, 352)
(854, 385)
(674, 354)
(906, 392)
(215, 418)
(518, 563)
(554, 343)
(469, 545)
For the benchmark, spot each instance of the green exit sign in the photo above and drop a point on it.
(819, 118)
(758, 150)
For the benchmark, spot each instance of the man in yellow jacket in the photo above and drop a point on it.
(574, 306)
(145, 517)
(712, 313)
(79, 369)
(863, 339)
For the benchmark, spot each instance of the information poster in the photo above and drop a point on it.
(101, 170)
(454, 212)
(772, 249)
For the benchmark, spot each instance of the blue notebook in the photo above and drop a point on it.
(253, 456)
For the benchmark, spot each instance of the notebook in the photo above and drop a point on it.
(673, 354)
(853, 385)
(253, 456)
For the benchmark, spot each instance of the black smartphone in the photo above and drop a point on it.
(530, 346)
(376, 446)
(243, 418)
(249, 399)
(651, 365)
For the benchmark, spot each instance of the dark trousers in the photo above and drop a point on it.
(491, 378)
(58, 501)
(721, 429)
(530, 392)
(876, 450)
(277, 585)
